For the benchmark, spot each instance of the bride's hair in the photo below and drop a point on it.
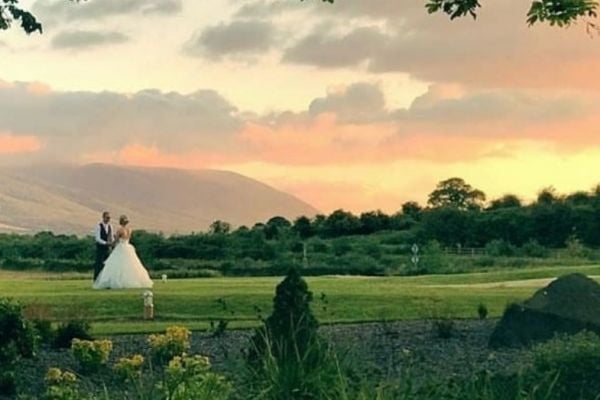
(123, 220)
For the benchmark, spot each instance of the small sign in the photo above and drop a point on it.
(415, 248)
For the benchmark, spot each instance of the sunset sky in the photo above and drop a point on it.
(358, 105)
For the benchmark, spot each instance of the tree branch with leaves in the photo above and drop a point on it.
(555, 12)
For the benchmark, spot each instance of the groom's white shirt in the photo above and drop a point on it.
(99, 237)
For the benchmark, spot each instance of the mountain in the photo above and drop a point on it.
(70, 199)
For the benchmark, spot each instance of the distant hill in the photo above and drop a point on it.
(69, 199)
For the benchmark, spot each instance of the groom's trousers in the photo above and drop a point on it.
(102, 252)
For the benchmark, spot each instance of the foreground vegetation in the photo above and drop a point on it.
(240, 301)
(286, 359)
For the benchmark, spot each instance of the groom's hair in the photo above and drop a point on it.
(105, 213)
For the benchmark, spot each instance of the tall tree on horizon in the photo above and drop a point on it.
(456, 193)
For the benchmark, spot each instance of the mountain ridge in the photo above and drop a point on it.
(67, 198)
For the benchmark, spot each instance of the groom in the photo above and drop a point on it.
(104, 240)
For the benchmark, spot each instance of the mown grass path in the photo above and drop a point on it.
(195, 302)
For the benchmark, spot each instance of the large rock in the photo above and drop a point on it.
(569, 305)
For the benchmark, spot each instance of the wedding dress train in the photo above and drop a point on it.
(123, 269)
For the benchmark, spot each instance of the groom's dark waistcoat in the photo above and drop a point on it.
(104, 234)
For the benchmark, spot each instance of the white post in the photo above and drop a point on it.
(148, 305)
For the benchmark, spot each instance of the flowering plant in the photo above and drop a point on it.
(190, 377)
(61, 385)
(174, 342)
(91, 354)
(130, 368)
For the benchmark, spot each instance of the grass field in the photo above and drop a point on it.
(195, 302)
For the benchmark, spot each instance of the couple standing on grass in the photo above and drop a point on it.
(117, 264)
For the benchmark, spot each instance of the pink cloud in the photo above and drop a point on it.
(11, 144)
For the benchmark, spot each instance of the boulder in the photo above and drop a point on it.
(569, 304)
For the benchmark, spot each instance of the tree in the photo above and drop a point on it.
(547, 196)
(555, 12)
(455, 192)
(275, 226)
(579, 198)
(303, 227)
(340, 223)
(374, 221)
(220, 227)
(291, 329)
(506, 201)
(11, 11)
(411, 209)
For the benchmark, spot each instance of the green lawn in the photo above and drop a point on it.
(193, 302)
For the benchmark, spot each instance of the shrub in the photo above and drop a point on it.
(575, 248)
(74, 329)
(7, 381)
(318, 246)
(341, 246)
(190, 377)
(17, 336)
(44, 330)
(174, 342)
(482, 311)
(499, 248)
(61, 386)
(91, 355)
(373, 250)
(533, 249)
(575, 360)
(286, 354)
(17, 339)
(129, 369)
(291, 327)
(431, 260)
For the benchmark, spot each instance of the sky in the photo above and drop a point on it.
(360, 105)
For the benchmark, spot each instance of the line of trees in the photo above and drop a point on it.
(456, 214)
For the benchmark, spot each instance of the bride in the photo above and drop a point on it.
(123, 269)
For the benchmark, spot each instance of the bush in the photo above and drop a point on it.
(482, 311)
(575, 248)
(499, 248)
(17, 339)
(575, 360)
(292, 326)
(286, 354)
(431, 260)
(74, 329)
(373, 250)
(44, 330)
(17, 336)
(61, 386)
(190, 377)
(174, 342)
(533, 249)
(341, 247)
(91, 355)
(318, 246)
(129, 368)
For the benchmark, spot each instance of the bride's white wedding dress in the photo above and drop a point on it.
(123, 269)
